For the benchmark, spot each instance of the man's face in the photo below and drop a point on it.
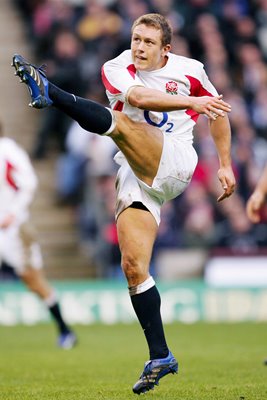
(147, 51)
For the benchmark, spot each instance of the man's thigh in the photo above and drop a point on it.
(129, 191)
(20, 249)
(141, 144)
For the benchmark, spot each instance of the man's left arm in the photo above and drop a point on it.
(221, 133)
(257, 198)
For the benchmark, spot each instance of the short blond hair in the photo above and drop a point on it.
(158, 22)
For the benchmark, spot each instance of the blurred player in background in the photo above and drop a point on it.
(256, 201)
(156, 157)
(18, 243)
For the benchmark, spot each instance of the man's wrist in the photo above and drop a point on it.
(226, 163)
(187, 102)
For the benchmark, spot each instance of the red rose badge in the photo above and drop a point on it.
(172, 87)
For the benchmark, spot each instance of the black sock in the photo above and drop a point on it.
(56, 314)
(90, 115)
(147, 308)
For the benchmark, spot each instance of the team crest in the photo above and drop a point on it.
(172, 87)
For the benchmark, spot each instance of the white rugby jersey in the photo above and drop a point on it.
(180, 75)
(18, 180)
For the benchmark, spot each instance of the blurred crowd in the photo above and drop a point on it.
(75, 37)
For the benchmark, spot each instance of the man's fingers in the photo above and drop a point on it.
(221, 105)
(228, 183)
(228, 190)
(220, 108)
(253, 214)
(255, 217)
(212, 115)
(222, 197)
(217, 111)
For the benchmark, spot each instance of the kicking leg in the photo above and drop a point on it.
(140, 143)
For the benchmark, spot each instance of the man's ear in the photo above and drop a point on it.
(166, 49)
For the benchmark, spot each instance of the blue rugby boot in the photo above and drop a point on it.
(67, 340)
(35, 79)
(155, 370)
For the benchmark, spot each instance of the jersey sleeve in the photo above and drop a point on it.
(199, 83)
(206, 83)
(118, 77)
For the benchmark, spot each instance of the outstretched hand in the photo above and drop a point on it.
(227, 179)
(254, 205)
(210, 106)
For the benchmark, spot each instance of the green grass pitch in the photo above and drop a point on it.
(217, 361)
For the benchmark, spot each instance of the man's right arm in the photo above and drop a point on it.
(123, 83)
(155, 100)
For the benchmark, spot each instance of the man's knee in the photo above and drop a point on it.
(133, 269)
(123, 124)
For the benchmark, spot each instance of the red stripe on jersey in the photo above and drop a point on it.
(132, 70)
(107, 84)
(197, 90)
(10, 179)
(118, 106)
(192, 114)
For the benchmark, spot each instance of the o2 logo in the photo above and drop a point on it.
(164, 121)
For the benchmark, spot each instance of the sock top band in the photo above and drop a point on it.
(143, 287)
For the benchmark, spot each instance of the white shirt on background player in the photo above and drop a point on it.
(18, 181)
